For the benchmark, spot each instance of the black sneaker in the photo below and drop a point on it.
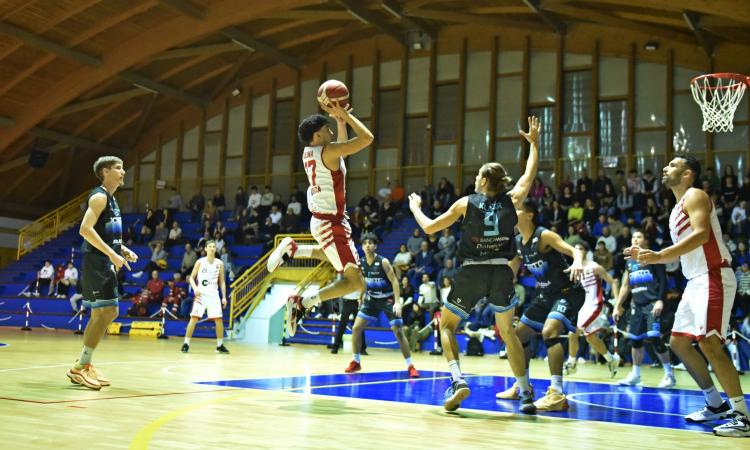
(455, 394)
(222, 349)
(335, 349)
(364, 352)
(527, 403)
(185, 348)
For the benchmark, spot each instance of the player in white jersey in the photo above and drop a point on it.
(206, 280)
(593, 274)
(703, 313)
(326, 197)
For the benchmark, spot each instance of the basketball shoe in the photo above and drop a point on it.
(84, 376)
(455, 394)
(286, 249)
(552, 401)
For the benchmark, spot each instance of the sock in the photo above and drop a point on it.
(408, 362)
(739, 405)
(713, 398)
(557, 383)
(572, 360)
(219, 342)
(187, 340)
(86, 354)
(455, 371)
(308, 301)
(608, 356)
(523, 383)
(357, 358)
(304, 251)
(637, 370)
(668, 369)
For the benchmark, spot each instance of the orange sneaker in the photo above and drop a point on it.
(101, 379)
(413, 373)
(85, 377)
(353, 367)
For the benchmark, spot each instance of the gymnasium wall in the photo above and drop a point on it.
(605, 102)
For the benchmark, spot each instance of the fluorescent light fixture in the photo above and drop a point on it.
(394, 12)
(147, 89)
(243, 45)
(358, 17)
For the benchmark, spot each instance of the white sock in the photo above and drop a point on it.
(304, 251)
(713, 398)
(608, 356)
(455, 371)
(557, 383)
(357, 357)
(637, 370)
(408, 362)
(668, 369)
(219, 342)
(187, 340)
(739, 405)
(308, 301)
(523, 383)
(86, 355)
(572, 360)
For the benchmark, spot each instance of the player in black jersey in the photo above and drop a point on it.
(103, 256)
(382, 293)
(554, 310)
(486, 247)
(649, 321)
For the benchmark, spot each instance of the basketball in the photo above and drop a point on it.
(333, 91)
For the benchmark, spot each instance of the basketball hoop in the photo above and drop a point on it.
(718, 95)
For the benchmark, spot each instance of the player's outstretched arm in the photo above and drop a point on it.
(445, 220)
(698, 208)
(552, 239)
(362, 136)
(618, 310)
(604, 275)
(97, 203)
(521, 190)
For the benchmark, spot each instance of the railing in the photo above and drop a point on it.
(249, 289)
(50, 225)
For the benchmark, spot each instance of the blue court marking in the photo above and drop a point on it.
(2, 344)
(645, 406)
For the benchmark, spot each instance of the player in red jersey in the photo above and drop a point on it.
(703, 313)
(323, 160)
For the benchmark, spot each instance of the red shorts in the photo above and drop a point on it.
(706, 305)
(335, 236)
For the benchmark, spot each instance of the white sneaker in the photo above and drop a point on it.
(569, 368)
(710, 414)
(679, 366)
(667, 382)
(138, 274)
(287, 247)
(737, 427)
(631, 380)
(613, 365)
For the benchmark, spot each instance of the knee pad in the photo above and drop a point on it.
(526, 344)
(551, 342)
(637, 344)
(660, 346)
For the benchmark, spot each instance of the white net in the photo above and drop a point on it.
(718, 97)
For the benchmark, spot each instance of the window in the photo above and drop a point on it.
(446, 112)
(256, 158)
(388, 117)
(283, 127)
(415, 152)
(613, 128)
(577, 104)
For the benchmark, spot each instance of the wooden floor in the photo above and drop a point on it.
(154, 403)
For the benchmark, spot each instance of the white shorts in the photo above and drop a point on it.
(587, 316)
(706, 305)
(210, 303)
(335, 236)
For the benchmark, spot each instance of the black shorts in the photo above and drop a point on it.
(98, 281)
(476, 281)
(563, 306)
(644, 325)
(372, 307)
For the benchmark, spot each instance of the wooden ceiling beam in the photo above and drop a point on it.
(245, 40)
(6, 122)
(730, 9)
(612, 20)
(170, 33)
(15, 182)
(692, 20)
(557, 25)
(395, 9)
(212, 49)
(76, 141)
(229, 76)
(314, 14)
(142, 123)
(155, 86)
(42, 43)
(186, 7)
(368, 17)
(476, 19)
(48, 182)
(99, 101)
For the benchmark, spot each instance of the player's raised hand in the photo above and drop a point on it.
(397, 310)
(535, 127)
(575, 270)
(415, 201)
(335, 110)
